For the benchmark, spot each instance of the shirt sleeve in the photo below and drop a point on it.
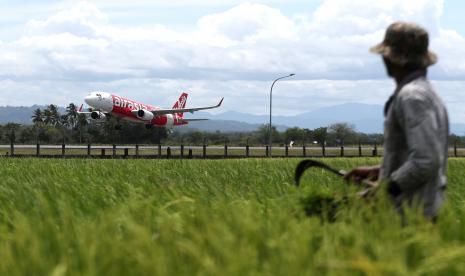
(417, 118)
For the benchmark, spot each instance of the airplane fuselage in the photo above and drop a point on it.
(124, 108)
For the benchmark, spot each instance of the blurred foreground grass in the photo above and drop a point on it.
(231, 217)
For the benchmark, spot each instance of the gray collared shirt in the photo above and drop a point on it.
(416, 131)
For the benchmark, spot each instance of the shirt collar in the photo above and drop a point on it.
(409, 78)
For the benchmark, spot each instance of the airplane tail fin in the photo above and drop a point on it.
(181, 103)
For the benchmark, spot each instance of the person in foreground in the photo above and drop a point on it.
(416, 126)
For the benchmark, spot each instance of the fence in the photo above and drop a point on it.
(191, 152)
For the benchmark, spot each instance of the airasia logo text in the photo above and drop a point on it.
(124, 103)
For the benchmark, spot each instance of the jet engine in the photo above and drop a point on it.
(145, 115)
(98, 116)
(169, 121)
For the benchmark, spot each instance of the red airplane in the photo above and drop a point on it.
(103, 104)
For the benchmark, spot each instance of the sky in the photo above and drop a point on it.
(151, 51)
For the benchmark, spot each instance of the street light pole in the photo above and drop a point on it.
(271, 102)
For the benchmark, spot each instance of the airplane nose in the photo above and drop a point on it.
(89, 99)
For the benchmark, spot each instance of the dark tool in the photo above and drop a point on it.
(324, 206)
(309, 163)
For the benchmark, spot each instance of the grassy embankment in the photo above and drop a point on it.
(233, 217)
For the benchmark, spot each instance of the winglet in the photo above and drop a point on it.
(220, 102)
(80, 109)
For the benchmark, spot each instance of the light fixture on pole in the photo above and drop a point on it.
(271, 101)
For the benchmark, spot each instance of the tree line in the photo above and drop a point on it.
(49, 126)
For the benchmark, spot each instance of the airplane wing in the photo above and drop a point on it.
(83, 112)
(193, 120)
(159, 112)
(89, 112)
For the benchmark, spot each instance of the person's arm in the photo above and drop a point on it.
(363, 173)
(419, 123)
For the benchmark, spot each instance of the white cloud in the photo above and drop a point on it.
(340, 17)
(249, 23)
(81, 19)
(249, 41)
(233, 53)
(184, 3)
(450, 46)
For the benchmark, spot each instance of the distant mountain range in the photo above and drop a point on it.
(366, 118)
(17, 114)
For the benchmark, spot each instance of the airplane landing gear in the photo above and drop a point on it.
(118, 127)
(148, 126)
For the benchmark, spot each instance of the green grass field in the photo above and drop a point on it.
(203, 217)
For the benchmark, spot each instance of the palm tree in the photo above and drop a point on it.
(64, 121)
(55, 115)
(39, 119)
(51, 115)
(47, 116)
(72, 114)
(81, 122)
(12, 127)
(37, 116)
